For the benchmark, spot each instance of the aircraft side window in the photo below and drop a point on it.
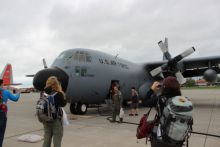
(81, 52)
(82, 58)
(68, 55)
(88, 59)
(83, 72)
(87, 54)
(77, 71)
(76, 56)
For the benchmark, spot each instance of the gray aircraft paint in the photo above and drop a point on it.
(93, 86)
(104, 68)
(100, 72)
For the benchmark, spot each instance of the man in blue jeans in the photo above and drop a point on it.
(3, 115)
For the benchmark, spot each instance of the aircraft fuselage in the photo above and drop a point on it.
(88, 78)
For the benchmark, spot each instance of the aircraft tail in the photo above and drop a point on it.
(6, 75)
(166, 43)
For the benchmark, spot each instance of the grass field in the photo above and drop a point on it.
(196, 88)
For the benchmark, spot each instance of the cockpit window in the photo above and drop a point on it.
(65, 56)
(88, 59)
(76, 57)
(82, 58)
(68, 55)
(61, 56)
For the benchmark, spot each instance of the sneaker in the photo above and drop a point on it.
(136, 114)
(112, 121)
(131, 114)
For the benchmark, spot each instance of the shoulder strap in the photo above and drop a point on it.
(158, 107)
(148, 113)
(3, 99)
(1, 90)
(136, 93)
(53, 94)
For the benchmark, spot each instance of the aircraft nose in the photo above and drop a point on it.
(41, 77)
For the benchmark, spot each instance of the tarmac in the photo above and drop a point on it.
(93, 130)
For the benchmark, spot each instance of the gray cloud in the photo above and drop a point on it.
(33, 30)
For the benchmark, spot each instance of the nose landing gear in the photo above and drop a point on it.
(81, 108)
(73, 108)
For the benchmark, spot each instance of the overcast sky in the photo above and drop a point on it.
(31, 30)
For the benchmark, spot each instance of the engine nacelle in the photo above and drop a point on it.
(210, 76)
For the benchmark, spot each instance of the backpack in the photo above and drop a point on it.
(3, 106)
(175, 122)
(1, 98)
(135, 99)
(145, 127)
(45, 110)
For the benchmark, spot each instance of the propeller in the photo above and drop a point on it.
(171, 64)
(44, 63)
(45, 66)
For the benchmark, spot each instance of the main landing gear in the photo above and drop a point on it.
(80, 108)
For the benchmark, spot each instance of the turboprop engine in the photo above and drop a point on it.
(210, 76)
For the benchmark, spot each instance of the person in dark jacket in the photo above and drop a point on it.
(134, 103)
(54, 129)
(170, 88)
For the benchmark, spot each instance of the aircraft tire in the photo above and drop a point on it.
(125, 103)
(82, 108)
(73, 109)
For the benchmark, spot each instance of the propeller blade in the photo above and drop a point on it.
(180, 77)
(185, 53)
(161, 75)
(162, 47)
(159, 69)
(188, 52)
(156, 71)
(44, 63)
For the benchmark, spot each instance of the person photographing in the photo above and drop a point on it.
(4, 96)
(174, 118)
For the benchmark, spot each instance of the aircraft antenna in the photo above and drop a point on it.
(116, 56)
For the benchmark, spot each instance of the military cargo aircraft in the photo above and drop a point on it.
(7, 76)
(87, 75)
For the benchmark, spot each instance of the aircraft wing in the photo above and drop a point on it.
(12, 84)
(201, 62)
(193, 67)
(29, 76)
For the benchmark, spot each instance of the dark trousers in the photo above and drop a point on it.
(156, 143)
(3, 121)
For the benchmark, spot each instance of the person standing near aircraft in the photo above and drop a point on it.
(170, 88)
(134, 102)
(4, 96)
(54, 129)
(118, 100)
